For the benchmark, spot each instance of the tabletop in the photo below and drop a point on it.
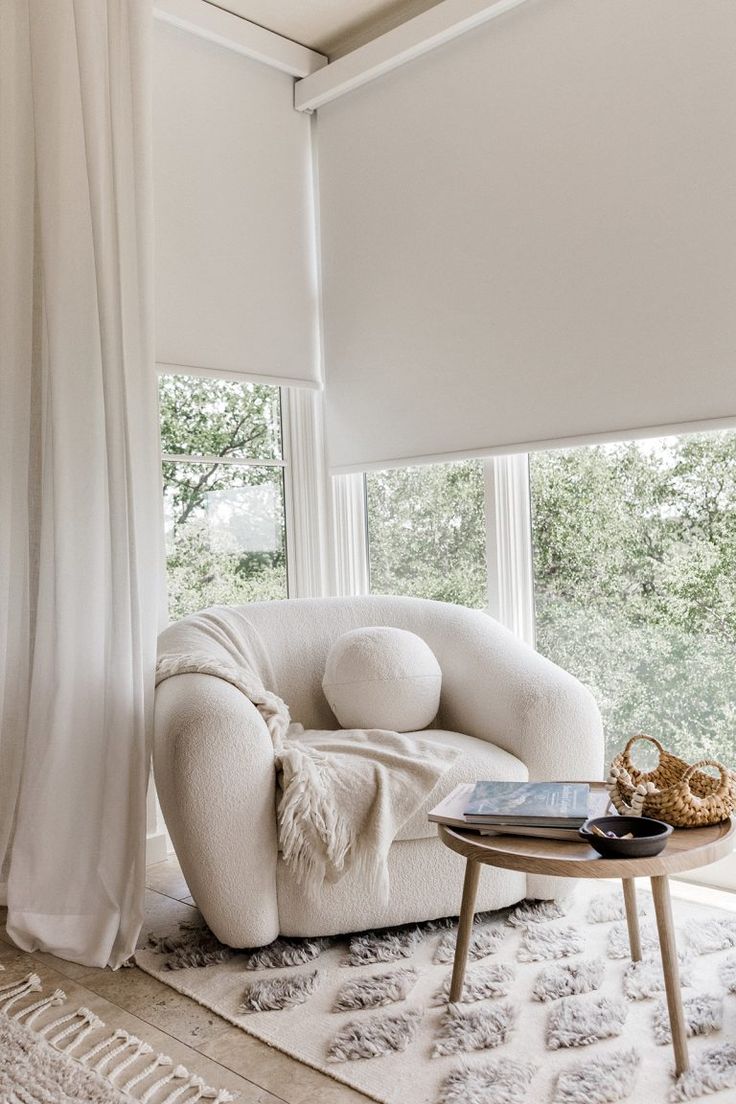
(687, 849)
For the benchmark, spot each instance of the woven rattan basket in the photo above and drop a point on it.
(676, 792)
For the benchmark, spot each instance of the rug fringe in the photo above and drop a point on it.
(177, 1073)
(14, 991)
(35, 1009)
(159, 1060)
(110, 1056)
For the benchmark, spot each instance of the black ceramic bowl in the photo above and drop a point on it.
(650, 836)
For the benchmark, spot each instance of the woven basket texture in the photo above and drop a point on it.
(679, 793)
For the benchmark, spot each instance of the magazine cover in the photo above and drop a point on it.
(553, 800)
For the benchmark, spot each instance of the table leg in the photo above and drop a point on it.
(464, 929)
(632, 918)
(670, 966)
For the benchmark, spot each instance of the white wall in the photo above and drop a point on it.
(530, 233)
(236, 282)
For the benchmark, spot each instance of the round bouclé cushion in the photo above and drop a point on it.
(382, 678)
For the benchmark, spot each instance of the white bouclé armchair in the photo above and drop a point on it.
(514, 715)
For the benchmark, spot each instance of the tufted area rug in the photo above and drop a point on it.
(553, 1010)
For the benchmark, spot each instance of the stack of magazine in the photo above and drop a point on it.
(552, 810)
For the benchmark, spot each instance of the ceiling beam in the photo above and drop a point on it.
(231, 31)
(410, 40)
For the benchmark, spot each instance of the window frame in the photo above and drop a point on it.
(307, 492)
(509, 561)
(507, 511)
(283, 463)
(509, 544)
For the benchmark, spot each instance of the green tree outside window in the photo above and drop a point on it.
(225, 529)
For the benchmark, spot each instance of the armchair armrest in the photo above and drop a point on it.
(497, 688)
(216, 781)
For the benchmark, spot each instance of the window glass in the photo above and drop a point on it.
(426, 532)
(223, 507)
(635, 584)
(203, 416)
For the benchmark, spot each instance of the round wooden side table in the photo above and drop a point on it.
(687, 849)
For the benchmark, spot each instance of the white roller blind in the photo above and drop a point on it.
(236, 288)
(529, 235)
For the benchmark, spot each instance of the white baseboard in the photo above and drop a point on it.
(719, 875)
(157, 847)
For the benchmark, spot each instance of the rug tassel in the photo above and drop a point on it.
(33, 1011)
(176, 1074)
(204, 1092)
(118, 1034)
(19, 989)
(191, 1083)
(139, 1047)
(49, 1027)
(78, 1020)
(90, 1023)
(127, 1041)
(12, 984)
(159, 1060)
(198, 1084)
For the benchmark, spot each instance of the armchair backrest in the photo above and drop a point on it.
(296, 636)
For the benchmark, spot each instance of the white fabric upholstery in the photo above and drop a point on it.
(214, 763)
(382, 678)
(426, 880)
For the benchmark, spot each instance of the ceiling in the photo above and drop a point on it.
(334, 27)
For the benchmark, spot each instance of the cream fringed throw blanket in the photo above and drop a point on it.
(344, 795)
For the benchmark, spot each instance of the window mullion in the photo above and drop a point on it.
(307, 524)
(508, 544)
(350, 529)
(233, 461)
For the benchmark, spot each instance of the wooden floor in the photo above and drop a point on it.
(223, 1055)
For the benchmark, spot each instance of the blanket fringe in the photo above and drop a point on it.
(111, 1055)
(305, 811)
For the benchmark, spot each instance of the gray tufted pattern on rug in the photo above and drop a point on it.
(553, 1010)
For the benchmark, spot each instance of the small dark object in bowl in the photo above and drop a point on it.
(650, 836)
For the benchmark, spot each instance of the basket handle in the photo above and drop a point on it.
(634, 739)
(723, 788)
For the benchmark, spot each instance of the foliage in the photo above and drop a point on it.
(635, 581)
(207, 503)
(213, 418)
(199, 574)
(426, 530)
(635, 573)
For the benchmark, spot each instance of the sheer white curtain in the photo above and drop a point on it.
(79, 483)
